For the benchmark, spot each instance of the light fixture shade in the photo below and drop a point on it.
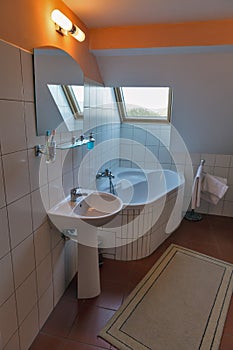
(78, 34)
(65, 26)
(61, 20)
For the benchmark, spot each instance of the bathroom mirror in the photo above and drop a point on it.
(59, 91)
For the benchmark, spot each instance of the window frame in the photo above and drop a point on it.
(72, 101)
(118, 92)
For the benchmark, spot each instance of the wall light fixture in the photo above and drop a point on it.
(65, 26)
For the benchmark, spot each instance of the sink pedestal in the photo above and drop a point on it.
(88, 282)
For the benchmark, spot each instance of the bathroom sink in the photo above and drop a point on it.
(95, 208)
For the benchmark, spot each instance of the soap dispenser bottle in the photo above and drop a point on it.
(90, 144)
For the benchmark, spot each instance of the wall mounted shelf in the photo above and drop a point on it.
(69, 145)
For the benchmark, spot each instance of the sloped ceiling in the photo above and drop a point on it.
(108, 13)
(147, 24)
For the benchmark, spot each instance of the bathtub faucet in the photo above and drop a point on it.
(107, 173)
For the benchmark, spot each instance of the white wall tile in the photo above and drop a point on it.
(208, 169)
(70, 260)
(67, 161)
(4, 233)
(11, 86)
(56, 193)
(77, 156)
(27, 73)
(13, 343)
(55, 168)
(30, 121)
(8, 320)
(12, 126)
(42, 241)
(231, 162)
(37, 171)
(23, 260)
(164, 156)
(58, 264)
(204, 207)
(6, 285)
(16, 173)
(195, 158)
(45, 305)
(67, 183)
(229, 194)
(209, 159)
(222, 160)
(165, 137)
(2, 190)
(221, 172)
(39, 214)
(228, 208)
(230, 177)
(138, 153)
(216, 209)
(15, 166)
(44, 275)
(55, 235)
(29, 329)
(26, 297)
(179, 157)
(20, 220)
(139, 134)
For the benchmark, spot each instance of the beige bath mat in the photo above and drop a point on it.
(181, 304)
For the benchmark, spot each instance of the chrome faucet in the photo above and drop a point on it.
(76, 193)
(107, 173)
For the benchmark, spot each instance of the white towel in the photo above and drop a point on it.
(213, 188)
(196, 190)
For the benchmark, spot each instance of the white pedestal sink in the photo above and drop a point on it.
(86, 214)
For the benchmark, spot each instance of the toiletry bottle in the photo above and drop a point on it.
(90, 144)
(52, 147)
(46, 148)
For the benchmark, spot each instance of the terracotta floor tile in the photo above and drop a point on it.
(62, 318)
(88, 325)
(228, 328)
(204, 248)
(111, 296)
(117, 271)
(220, 222)
(71, 291)
(47, 342)
(226, 342)
(74, 345)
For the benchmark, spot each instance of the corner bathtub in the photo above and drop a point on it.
(152, 211)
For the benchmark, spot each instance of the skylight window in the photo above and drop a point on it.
(75, 98)
(78, 95)
(69, 100)
(144, 103)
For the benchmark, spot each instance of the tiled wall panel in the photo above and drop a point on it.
(26, 248)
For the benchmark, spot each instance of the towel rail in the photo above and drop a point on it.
(192, 215)
(202, 162)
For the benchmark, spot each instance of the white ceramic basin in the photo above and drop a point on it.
(96, 209)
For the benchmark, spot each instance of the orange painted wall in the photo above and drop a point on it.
(27, 24)
(163, 35)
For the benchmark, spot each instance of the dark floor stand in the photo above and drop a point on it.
(191, 215)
